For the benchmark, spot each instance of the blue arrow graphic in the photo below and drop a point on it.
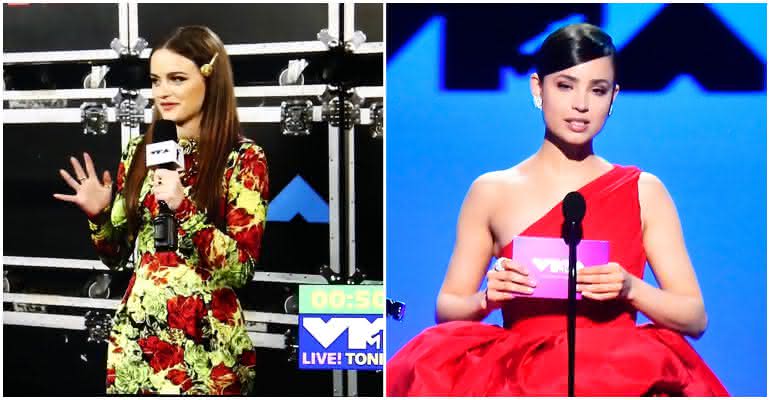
(298, 198)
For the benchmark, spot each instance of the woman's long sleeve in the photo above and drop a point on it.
(110, 237)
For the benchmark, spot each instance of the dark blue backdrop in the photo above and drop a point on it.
(692, 110)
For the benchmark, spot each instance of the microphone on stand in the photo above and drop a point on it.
(573, 209)
(164, 153)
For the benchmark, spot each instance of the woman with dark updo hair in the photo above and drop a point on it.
(575, 85)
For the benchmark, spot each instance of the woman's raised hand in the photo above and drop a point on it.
(91, 195)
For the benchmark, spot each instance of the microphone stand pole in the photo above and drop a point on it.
(573, 240)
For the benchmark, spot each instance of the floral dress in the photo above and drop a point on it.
(180, 328)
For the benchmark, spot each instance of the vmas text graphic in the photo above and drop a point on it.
(341, 327)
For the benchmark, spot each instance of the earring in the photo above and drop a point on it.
(207, 69)
(611, 106)
(538, 102)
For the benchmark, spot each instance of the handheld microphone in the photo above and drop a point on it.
(164, 153)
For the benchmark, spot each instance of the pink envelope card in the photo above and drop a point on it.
(547, 260)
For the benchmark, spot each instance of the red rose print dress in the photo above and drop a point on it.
(180, 328)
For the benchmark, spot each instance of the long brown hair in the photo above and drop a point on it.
(219, 131)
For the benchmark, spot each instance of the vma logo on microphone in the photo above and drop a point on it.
(341, 327)
(165, 153)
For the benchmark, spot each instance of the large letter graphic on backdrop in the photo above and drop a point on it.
(298, 198)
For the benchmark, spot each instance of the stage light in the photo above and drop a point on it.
(129, 73)
(330, 108)
(98, 324)
(93, 116)
(129, 107)
(296, 117)
(297, 114)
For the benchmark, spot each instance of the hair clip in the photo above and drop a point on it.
(207, 69)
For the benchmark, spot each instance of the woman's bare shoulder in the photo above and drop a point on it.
(651, 188)
(654, 199)
(507, 177)
(493, 185)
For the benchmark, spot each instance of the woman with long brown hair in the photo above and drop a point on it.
(180, 327)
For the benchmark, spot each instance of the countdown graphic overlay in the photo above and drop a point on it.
(341, 327)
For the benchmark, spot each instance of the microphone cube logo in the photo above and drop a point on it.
(341, 327)
(162, 153)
